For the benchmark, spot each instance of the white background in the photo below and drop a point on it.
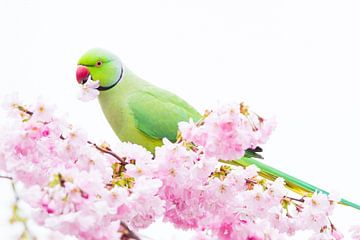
(296, 60)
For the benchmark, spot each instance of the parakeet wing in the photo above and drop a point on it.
(157, 113)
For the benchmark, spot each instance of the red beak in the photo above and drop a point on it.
(82, 74)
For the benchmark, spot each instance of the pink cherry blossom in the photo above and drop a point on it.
(227, 132)
(89, 90)
(355, 232)
(92, 190)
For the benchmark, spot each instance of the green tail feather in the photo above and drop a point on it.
(294, 184)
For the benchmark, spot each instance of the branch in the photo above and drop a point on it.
(295, 199)
(110, 152)
(104, 150)
(6, 177)
(127, 234)
(26, 234)
(24, 110)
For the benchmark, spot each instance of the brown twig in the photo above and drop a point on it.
(6, 177)
(295, 199)
(26, 233)
(104, 150)
(108, 151)
(24, 110)
(332, 226)
(127, 234)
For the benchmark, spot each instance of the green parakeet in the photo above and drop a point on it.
(142, 113)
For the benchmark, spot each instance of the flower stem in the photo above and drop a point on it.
(24, 110)
(108, 151)
(26, 234)
(127, 234)
(6, 177)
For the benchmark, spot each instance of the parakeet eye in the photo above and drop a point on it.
(98, 63)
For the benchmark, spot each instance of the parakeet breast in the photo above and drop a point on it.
(141, 113)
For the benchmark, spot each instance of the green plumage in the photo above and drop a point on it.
(296, 185)
(141, 113)
(157, 113)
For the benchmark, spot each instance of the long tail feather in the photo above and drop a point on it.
(294, 184)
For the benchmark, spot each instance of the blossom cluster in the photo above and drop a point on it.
(74, 186)
(91, 191)
(235, 203)
(88, 90)
(227, 132)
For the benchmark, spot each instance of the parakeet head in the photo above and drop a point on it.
(101, 65)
